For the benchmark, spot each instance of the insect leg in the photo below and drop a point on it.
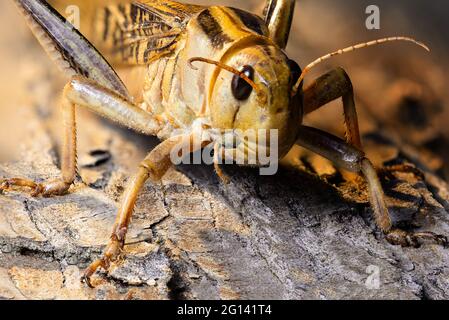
(86, 93)
(62, 184)
(152, 167)
(279, 17)
(107, 103)
(331, 86)
(351, 158)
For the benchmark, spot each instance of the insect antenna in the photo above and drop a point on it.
(229, 69)
(349, 49)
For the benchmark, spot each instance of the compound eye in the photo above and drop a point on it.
(240, 88)
(295, 70)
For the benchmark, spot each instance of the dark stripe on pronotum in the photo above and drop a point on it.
(212, 28)
(251, 21)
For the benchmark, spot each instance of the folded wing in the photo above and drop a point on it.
(134, 33)
(71, 51)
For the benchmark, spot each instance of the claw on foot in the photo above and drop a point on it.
(86, 278)
(112, 253)
(11, 184)
(410, 239)
(53, 188)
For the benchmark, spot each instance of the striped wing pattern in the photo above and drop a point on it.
(134, 33)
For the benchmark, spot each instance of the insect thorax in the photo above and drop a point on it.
(178, 93)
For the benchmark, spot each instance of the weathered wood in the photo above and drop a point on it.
(305, 233)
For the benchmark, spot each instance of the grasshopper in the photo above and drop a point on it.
(207, 69)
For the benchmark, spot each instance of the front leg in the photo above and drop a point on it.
(152, 167)
(351, 158)
(331, 86)
(86, 93)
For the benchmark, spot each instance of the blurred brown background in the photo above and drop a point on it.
(399, 87)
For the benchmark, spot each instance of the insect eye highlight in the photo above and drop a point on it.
(240, 88)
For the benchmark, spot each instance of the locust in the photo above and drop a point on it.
(208, 70)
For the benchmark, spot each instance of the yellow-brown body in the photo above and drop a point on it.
(181, 95)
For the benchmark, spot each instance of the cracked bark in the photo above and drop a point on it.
(305, 233)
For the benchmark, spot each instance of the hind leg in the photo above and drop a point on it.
(85, 93)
